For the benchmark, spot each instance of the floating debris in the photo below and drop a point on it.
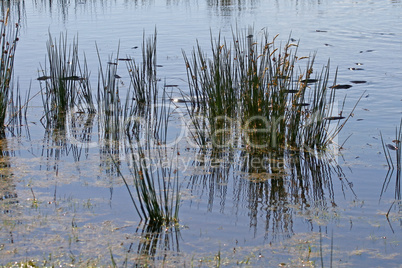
(320, 31)
(42, 78)
(358, 63)
(302, 104)
(358, 81)
(250, 36)
(124, 59)
(157, 65)
(135, 47)
(309, 81)
(72, 78)
(341, 86)
(112, 63)
(117, 76)
(171, 85)
(177, 100)
(392, 147)
(355, 69)
(334, 118)
(328, 45)
(290, 90)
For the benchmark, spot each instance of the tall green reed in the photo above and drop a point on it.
(9, 33)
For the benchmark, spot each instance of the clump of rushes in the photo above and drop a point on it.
(143, 120)
(252, 93)
(8, 41)
(66, 86)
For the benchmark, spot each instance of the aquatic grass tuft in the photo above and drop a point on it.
(143, 122)
(253, 93)
(9, 33)
(66, 86)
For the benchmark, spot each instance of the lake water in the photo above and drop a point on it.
(66, 205)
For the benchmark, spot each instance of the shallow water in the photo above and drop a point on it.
(67, 205)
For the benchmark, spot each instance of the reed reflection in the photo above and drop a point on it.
(276, 188)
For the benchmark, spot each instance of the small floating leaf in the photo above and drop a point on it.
(72, 78)
(334, 118)
(358, 81)
(392, 147)
(341, 86)
(308, 81)
(302, 104)
(42, 78)
(291, 90)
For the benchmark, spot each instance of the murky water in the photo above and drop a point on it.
(63, 202)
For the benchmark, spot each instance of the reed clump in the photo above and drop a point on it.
(65, 86)
(143, 121)
(252, 93)
(9, 33)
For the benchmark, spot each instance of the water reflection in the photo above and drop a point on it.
(271, 187)
(8, 193)
(154, 244)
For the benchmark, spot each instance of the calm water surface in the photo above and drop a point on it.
(84, 212)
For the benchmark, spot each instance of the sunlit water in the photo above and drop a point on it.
(84, 212)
